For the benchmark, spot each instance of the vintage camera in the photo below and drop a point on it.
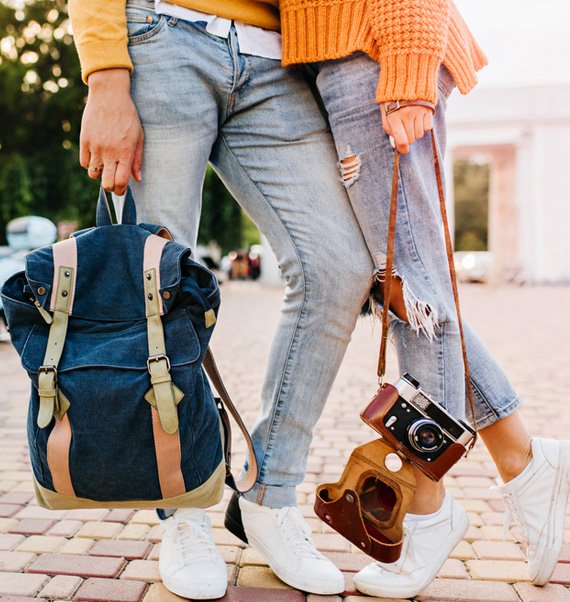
(418, 427)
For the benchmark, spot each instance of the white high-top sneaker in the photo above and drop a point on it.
(428, 541)
(190, 565)
(283, 538)
(536, 499)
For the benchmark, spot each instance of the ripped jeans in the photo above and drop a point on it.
(428, 345)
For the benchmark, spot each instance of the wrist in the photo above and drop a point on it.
(117, 80)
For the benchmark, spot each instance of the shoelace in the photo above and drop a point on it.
(295, 531)
(194, 540)
(512, 512)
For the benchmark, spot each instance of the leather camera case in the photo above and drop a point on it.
(375, 412)
(368, 504)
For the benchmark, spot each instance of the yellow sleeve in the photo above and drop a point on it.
(412, 38)
(100, 33)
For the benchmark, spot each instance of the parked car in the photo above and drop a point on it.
(473, 266)
(23, 234)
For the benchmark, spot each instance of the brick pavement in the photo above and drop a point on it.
(102, 555)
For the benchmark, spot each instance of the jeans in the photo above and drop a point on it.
(428, 345)
(200, 100)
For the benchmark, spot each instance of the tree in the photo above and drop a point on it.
(471, 182)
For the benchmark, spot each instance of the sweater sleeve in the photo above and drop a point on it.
(100, 33)
(412, 39)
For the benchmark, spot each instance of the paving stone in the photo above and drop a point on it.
(9, 541)
(498, 550)
(119, 515)
(467, 590)
(40, 544)
(498, 570)
(41, 513)
(99, 530)
(453, 569)
(82, 566)
(77, 546)
(259, 576)
(365, 599)
(349, 562)
(31, 526)
(126, 549)
(65, 528)
(87, 514)
(147, 517)
(251, 556)
(316, 598)
(8, 510)
(158, 593)
(561, 574)
(548, 593)
(133, 531)
(254, 594)
(15, 498)
(61, 587)
(154, 554)
(110, 590)
(463, 551)
(21, 599)
(12, 562)
(142, 570)
(223, 537)
(21, 584)
(155, 534)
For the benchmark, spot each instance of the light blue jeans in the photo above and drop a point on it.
(200, 100)
(428, 346)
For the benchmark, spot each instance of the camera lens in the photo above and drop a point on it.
(425, 435)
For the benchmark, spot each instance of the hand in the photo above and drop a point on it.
(111, 140)
(406, 125)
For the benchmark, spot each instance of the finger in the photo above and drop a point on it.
(408, 123)
(386, 123)
(400, 136)
(137, 160)
(84, 153)
(108, 176)
(419, 126)
(428, 121)
(94, 167)
(122, 175)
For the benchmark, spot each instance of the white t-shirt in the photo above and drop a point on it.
(252, 40)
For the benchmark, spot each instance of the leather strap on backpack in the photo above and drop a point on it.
(250, 476)
(389, 268)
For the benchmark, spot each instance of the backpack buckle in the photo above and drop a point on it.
(158, 358)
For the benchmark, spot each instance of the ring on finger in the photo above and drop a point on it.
(95, 167)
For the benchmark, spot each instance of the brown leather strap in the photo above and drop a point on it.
(168, 459)
(58, 444)
(450, 261)
(250, 477)
(395, 105)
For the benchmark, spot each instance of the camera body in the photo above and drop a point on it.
(418, 427)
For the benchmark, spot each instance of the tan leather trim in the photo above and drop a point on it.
(58, 446)
(168, 459)
(64, 255)
(153, 247)
(208, 494)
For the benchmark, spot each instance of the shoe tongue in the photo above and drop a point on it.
(191, 514)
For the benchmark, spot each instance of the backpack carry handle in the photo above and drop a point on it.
(104, 216)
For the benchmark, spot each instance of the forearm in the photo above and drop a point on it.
(100, 33)
(412, 38)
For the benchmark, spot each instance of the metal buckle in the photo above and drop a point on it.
(158, 358)
(47, 370)
(390, 107)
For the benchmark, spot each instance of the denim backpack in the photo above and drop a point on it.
(112, 326)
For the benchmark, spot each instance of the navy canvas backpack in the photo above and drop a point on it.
(112, 326)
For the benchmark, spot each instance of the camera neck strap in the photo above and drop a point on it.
(387, 287)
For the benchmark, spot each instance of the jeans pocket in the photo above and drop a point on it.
(143, 24)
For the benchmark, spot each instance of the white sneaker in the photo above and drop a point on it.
(428, 542)
(283, 538)
(536, 499)
(190, 565)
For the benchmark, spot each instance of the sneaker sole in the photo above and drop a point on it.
(386, 592)
(205, 593)
(555, 536)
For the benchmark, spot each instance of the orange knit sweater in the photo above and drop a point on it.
(409, 38)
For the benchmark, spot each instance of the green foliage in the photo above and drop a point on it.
(41, 104)
(222, 219)
(471, 183)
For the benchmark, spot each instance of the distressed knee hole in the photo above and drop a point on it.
(349, 167)
(418, 314)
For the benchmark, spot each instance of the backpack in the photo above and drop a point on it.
(112, 326)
